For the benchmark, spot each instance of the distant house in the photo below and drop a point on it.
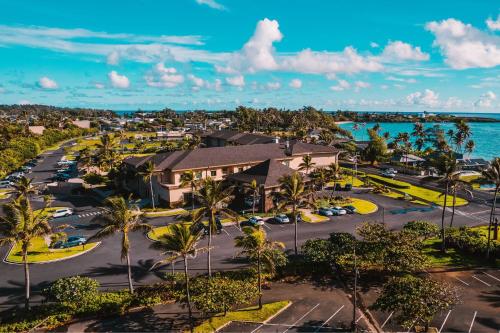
(475, 164)
(37, 129)
(408, 159)
(233, 138)
(81, 123)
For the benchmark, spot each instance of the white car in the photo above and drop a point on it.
(6, 184)
(388, 174)
(256, 221)
(338, 211)
(62, 212)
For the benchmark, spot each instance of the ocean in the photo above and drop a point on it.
(486, 136)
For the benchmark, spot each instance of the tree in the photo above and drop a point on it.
(253, 189)
(147, 172)
(415, 300)
(493, 175)
(334, 173)
(213, 198)
(320, 177)
(24, 187)
(105, 151)
(254, 245)
(456, 185)
(181, 242)
(188, 178)
(21, 225)
(293, 192)
(376, 149)
(422, 229)
(446, 166)
(306, 164)
(419, 135)
(122, 216)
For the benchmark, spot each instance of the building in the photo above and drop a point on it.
(234, 138)
(408, 159)
(81, 123)
(472, 164)
(37, 129)
(218, 163)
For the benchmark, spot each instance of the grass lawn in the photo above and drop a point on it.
(400, 196)
(420, 192)
(356, 182)
(313, 218)
(165, 212)
(247, 314)
(363, 207)
(4, 193)
(39, 252)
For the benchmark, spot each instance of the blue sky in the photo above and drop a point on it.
(218, 54)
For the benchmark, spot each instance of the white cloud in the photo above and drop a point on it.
(273, 85)
(46, 83)
(113, 58)
(197, 81)
(99, 85)
(342, 85)
(493, 25)
(163, 77)
(118, 81)
(296, 84)
(361, 85)
(236, 81)
(427, 98)
(464, 46)
(486, 100)
(374, 45)
(211, 3)
(399, 50)
(400, 79)
(218, 85)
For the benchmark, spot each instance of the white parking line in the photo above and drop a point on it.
(385, 322)
(472, 322)
(268, 227)
(305, 314)
(491, 276)
(461, 281)
(359, 318)
(475, 277)
(444, 322)
(330, 318)
(226, 232)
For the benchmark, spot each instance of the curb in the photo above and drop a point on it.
(49, 261)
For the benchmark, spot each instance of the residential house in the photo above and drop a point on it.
(234, 138)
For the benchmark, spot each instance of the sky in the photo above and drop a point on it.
(219, 54)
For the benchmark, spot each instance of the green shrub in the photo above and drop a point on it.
(93, 178)
(423, 229)
(73, 292)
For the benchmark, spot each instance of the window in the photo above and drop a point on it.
(240, 169)
(198, 175)
(213, 173)
(225, 171)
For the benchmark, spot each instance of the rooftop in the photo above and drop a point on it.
(266, 174)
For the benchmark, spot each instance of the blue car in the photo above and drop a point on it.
(73, 241)
(325, 211)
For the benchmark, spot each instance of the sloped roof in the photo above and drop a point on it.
(241, 138)
(266, 174)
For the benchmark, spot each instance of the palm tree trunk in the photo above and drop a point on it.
(453, 208)
(259, 280)
(129, 269)
(443, 245)
(296, 231)
(188, 296)
(493, 210)
(26, 281)
(209, 264)
(253, 204)
(192, 197)
(152, 194)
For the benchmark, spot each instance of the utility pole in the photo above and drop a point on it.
(354, 296)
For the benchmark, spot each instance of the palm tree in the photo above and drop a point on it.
(493, 175)
(122, 216)
(293, 192)
(446, 165)
(419, 134)
(189, 178)
(456, 185)
(180, 243)
(213, 198)
(21, 225)
(253, 189)
(469, 147)
(335, 173)
(320, 177)
(24, 187)
(255, 246)
(105, 151)
(306, 164)
(147, 173)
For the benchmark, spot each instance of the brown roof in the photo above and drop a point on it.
(266, 173)
(240, 138)
(229, 155)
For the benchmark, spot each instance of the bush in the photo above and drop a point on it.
(93, 178)
(423, 229)
(73, 292)
(470, 241)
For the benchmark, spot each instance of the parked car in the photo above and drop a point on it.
(338, 187)
(348, 187)
(256, 221)
(281, 218)
(60, 163)
(26, 168)
(62, 212)
(74, 241)
(337, 211)
(15, 176)
(388, 174)
(6, 184)
(392, 170)
(325, 211)
(350, 209)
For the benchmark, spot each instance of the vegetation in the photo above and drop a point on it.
(493, 174)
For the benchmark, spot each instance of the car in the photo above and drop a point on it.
(337, 211)
(350, 209)
(325, 211)
(74, 241)
(6, 184)
(60, 163)
(63, 170)
(281, 218)
(62, 212)
(26, 168)
(15, 175)
(388, 174)
(338, 187)
(256, 221)
(348, 187)
(391, 170)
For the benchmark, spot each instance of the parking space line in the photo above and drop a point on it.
(385, 322)
(258, 327)
(472, 322)
(461, 281)
(491, 276)
(268, 227)
(305, 314)
(475, 277)
(226, 232)
(330, 318)
(359, 318)
(444, 322)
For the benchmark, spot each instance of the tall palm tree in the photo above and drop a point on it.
(493, 175)
(213, 198)
(188, 178)
(21, 225)
(334, 173)
(122, 216)
(293, 193)
(469, 147)
(180, 243)
(253, 189)
(306, 164)
(446, 165)
(147, 172)
(419, 134)
(320, 177)
(105, 151)
(255, 246)
(456, 185)
(24, 187)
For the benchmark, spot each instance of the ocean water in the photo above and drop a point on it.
(485, 135)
